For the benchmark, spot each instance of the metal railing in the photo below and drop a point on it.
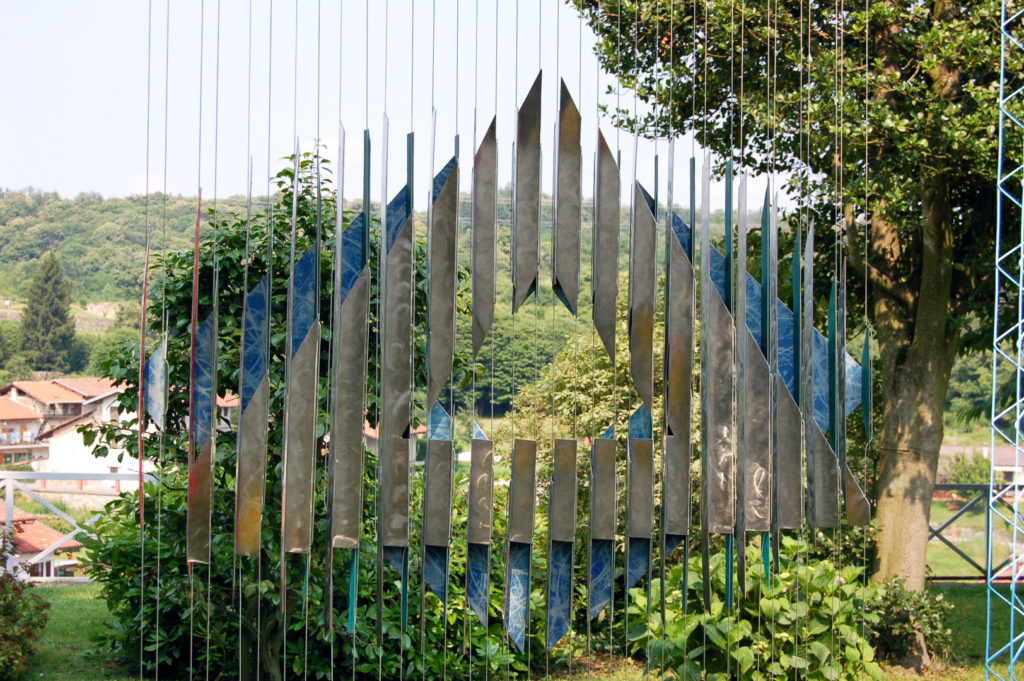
(980, 496)
(13, 481)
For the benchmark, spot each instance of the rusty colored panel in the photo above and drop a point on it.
(603, 519)
(522, 495)
(250, 481)
(562, 516)
(300, 445)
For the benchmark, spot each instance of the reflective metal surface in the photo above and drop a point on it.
(200, 471)
(526, 191)
(481, 489)
(348, 415)
(680, 311)
(251, 443)
(641, 488)
(757, 465)
(522, 494)
(250, 471)
(566, 261)
(789, 488)
(300, 445)
(441, 276)
(676, 485)
(642, 254)
(606, 245)
(807, 373)
(826, 481)
(396, 377)
(485, 189)
(562, 515)
(602, 490)
(437, 494)
(721, 470)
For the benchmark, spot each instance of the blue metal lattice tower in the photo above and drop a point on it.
(1005, 632)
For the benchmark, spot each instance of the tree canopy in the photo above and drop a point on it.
(880, 115)
(47, 329)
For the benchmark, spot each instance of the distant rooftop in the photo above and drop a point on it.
(87, 386)
(48, 392)
(12, 411)
(32, 535)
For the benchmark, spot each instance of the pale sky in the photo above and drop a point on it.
(74, 116)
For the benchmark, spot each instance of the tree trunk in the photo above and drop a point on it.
(916, 348)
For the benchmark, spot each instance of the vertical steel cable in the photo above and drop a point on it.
(195, 284)
(140, 411)
(163, 329)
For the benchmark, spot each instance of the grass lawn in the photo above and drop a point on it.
(77, 614)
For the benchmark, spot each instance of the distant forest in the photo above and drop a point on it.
(101, 242)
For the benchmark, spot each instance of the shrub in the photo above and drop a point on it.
(903, 614)
(973, 470)
(809, 619)
(113, 560)
(22, 618)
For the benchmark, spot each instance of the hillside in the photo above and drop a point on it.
(100, 242)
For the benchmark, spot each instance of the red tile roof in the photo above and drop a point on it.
(48, 392)
(12, 411)
(32, 535)
(87, 386)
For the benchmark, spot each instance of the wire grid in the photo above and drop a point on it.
(1004, 640)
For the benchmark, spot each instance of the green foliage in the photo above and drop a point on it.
(904, 614)
(808, 620)
(47, 329)
(101, 242)
(22, 618)
(973, 470)
(114, 556)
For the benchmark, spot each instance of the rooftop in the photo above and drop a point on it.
(12, 411)
(87, 386)
(48, 392)
(32, 535)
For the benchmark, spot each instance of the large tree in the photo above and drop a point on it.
(47, 328)
(930, 93)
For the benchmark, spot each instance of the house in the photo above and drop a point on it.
(19, 427)
(32, 540)
(59, 407)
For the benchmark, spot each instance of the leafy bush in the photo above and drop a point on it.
(113, 560)
(22, 618)
(809, 619)
(903, 614)
(973, 470)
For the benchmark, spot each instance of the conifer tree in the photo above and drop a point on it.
(47, 328)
